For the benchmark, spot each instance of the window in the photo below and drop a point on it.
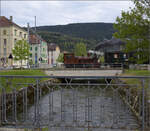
(36, 48)
(24, 36)
(5, 43)
(5, 52)
(116, 56)
(124, 55)
(15, 31)
(4, 32)
(15, 40)
(31, 48)
(20, 34)
(30, 55)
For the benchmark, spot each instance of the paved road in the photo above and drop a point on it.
(101, 110)
(84, 72)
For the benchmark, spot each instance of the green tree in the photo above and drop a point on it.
(133, 28)
(60, 58)
(21, 51)
(80, 49)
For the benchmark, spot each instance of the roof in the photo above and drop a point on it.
(5, 22)
(33, 39)
(52, 47)
(109, 43)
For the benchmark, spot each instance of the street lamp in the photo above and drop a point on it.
(11, 58)
(40, 59)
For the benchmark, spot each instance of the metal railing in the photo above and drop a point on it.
(95, 66)
(76, 102)
(106, 66)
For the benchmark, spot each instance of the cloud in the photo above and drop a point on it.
(63, 12)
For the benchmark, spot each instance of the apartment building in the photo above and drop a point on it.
(38, 50)
(10, 33)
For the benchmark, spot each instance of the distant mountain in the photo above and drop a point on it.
(89, 31)
(66, 36)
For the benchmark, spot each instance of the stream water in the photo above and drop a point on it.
(82, 109)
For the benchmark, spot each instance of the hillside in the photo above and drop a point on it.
(90, 31)
(68, 35)
(65, 42)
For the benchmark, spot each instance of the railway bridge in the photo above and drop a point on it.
(52, 105)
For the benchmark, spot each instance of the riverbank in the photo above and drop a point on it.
(138, 81)
(8, 83)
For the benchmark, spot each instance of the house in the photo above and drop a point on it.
(38, 50)
(112, 45)
(10, 33)
(113, 51)
(53, 53)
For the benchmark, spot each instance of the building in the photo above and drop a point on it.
(38, 50)
(112, 45)
(53, 53)
(113, 51)
(10, 33)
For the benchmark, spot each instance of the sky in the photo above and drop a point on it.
(63, 12)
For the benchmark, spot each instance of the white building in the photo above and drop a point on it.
(38, 50)
(53, 53)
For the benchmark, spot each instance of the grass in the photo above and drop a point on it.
(138, 81)
(18, 83)
(136, 73)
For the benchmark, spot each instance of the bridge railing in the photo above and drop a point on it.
(95, 66)
(73, 102)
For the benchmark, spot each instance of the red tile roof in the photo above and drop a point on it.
(5, 22)
(33, 39)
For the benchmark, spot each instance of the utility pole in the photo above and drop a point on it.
(28, 29)
(0, 8)
(35, 25)
(0, 30)
(28, 26)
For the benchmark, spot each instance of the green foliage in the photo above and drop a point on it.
(30, 62)
(60, 58)
(21, 51)
(80, 49)
(133, 28)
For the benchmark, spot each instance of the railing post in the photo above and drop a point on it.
(37, 106)
(143, 104)
(0, 103)
(0, 106)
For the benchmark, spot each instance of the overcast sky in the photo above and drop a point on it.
(63, 12)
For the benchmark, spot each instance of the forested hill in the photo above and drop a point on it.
(89, 31)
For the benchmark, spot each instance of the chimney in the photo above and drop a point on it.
(11, 18)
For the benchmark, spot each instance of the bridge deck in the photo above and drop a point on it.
(84, 72)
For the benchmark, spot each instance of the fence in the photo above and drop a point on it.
(73, 103)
